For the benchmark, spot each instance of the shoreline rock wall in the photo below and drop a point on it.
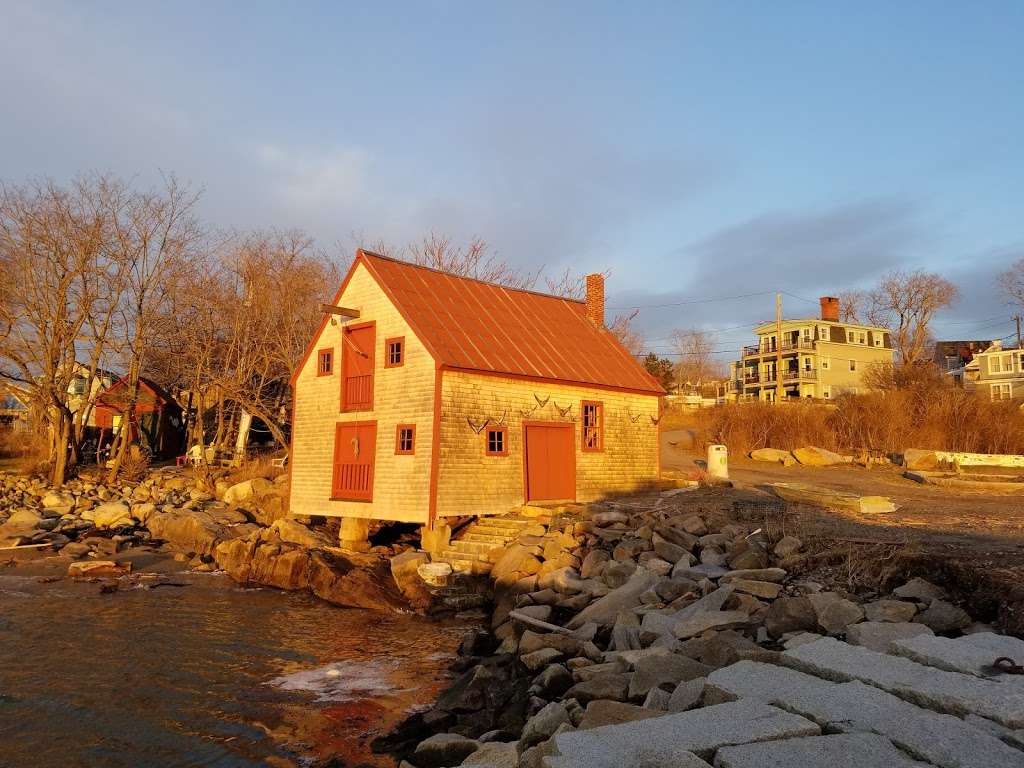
(244, 533)
(621, 612)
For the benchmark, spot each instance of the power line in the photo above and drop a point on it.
(693, 301)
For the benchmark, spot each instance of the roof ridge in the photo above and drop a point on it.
(491, 283)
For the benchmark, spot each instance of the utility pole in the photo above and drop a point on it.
(778, 347)
(1017, 319)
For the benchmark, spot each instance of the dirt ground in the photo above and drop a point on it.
(971, 541)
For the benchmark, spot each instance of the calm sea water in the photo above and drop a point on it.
(209, 674)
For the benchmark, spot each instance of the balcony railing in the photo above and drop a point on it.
(806, 374)
(786, 346)
(358, 393)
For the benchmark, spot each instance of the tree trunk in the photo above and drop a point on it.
(127, 420)
(61, 447)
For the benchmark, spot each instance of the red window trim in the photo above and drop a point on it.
(600, 427)
(319, 358)
(504, 441)
(345, 408)
(387, 351)
(398, 440)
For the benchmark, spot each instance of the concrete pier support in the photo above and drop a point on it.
(355, 534)
(436, 539)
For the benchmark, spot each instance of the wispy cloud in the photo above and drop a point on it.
(316, 181)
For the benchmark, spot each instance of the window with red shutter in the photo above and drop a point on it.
(593, 425)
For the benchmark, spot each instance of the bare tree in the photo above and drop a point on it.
(568, 284)
(475, 259)
(1011, 282)
(854, 306)
(152, 232)
(242, 317)
(61, 287)
(907, 302)
(629, 336)
(697, 365)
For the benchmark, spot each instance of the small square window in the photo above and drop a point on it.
(853, 365)
(405, 440)
(394, 352)
(593, 426)
(325, 362)
(497, 441)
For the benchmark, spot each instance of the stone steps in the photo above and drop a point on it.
(854, 707)
(469, 551)
(952, 692)
(827, 704)
(488, 538)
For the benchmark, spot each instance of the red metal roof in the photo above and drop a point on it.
(474, 325)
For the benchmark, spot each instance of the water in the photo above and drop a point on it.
(209, 674)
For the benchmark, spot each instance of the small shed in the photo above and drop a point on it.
(158, 423)
(425, 395)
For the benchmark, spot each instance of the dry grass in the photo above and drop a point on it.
(889, 421)
(23, 452)
(257, 467)
(134, 467)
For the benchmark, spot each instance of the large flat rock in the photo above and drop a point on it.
(971, 658)
(700, 731)
(943, 740)
(863, 750)
(828, 498)
(943, 691)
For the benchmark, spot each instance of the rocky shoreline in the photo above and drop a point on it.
(238, 528)
(620, 612)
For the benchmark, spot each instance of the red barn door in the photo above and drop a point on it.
(550, 462)
(357, 345)
(355, 445)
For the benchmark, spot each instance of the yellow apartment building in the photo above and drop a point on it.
(818, 358)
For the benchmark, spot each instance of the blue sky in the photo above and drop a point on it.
(698, 150)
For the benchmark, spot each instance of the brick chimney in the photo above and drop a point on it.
(595, 299)
(829, 308)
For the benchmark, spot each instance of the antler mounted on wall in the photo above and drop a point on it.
(655, 421)
(540, 402)
(528, 412)
(500, 421)
(633, 418)
(475, 427)
(563, 411)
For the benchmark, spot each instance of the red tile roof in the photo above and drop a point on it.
(478, 326)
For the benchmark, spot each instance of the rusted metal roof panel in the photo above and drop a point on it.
(474, 325)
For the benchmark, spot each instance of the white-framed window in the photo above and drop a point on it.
(807, 363)
(826, 392)
(807, 334)
(862, 338)
(878, 339)
(823, 362)
(851, 337)
(995, 364)
(1008, 363)
(823, 333)
(1002, 391)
